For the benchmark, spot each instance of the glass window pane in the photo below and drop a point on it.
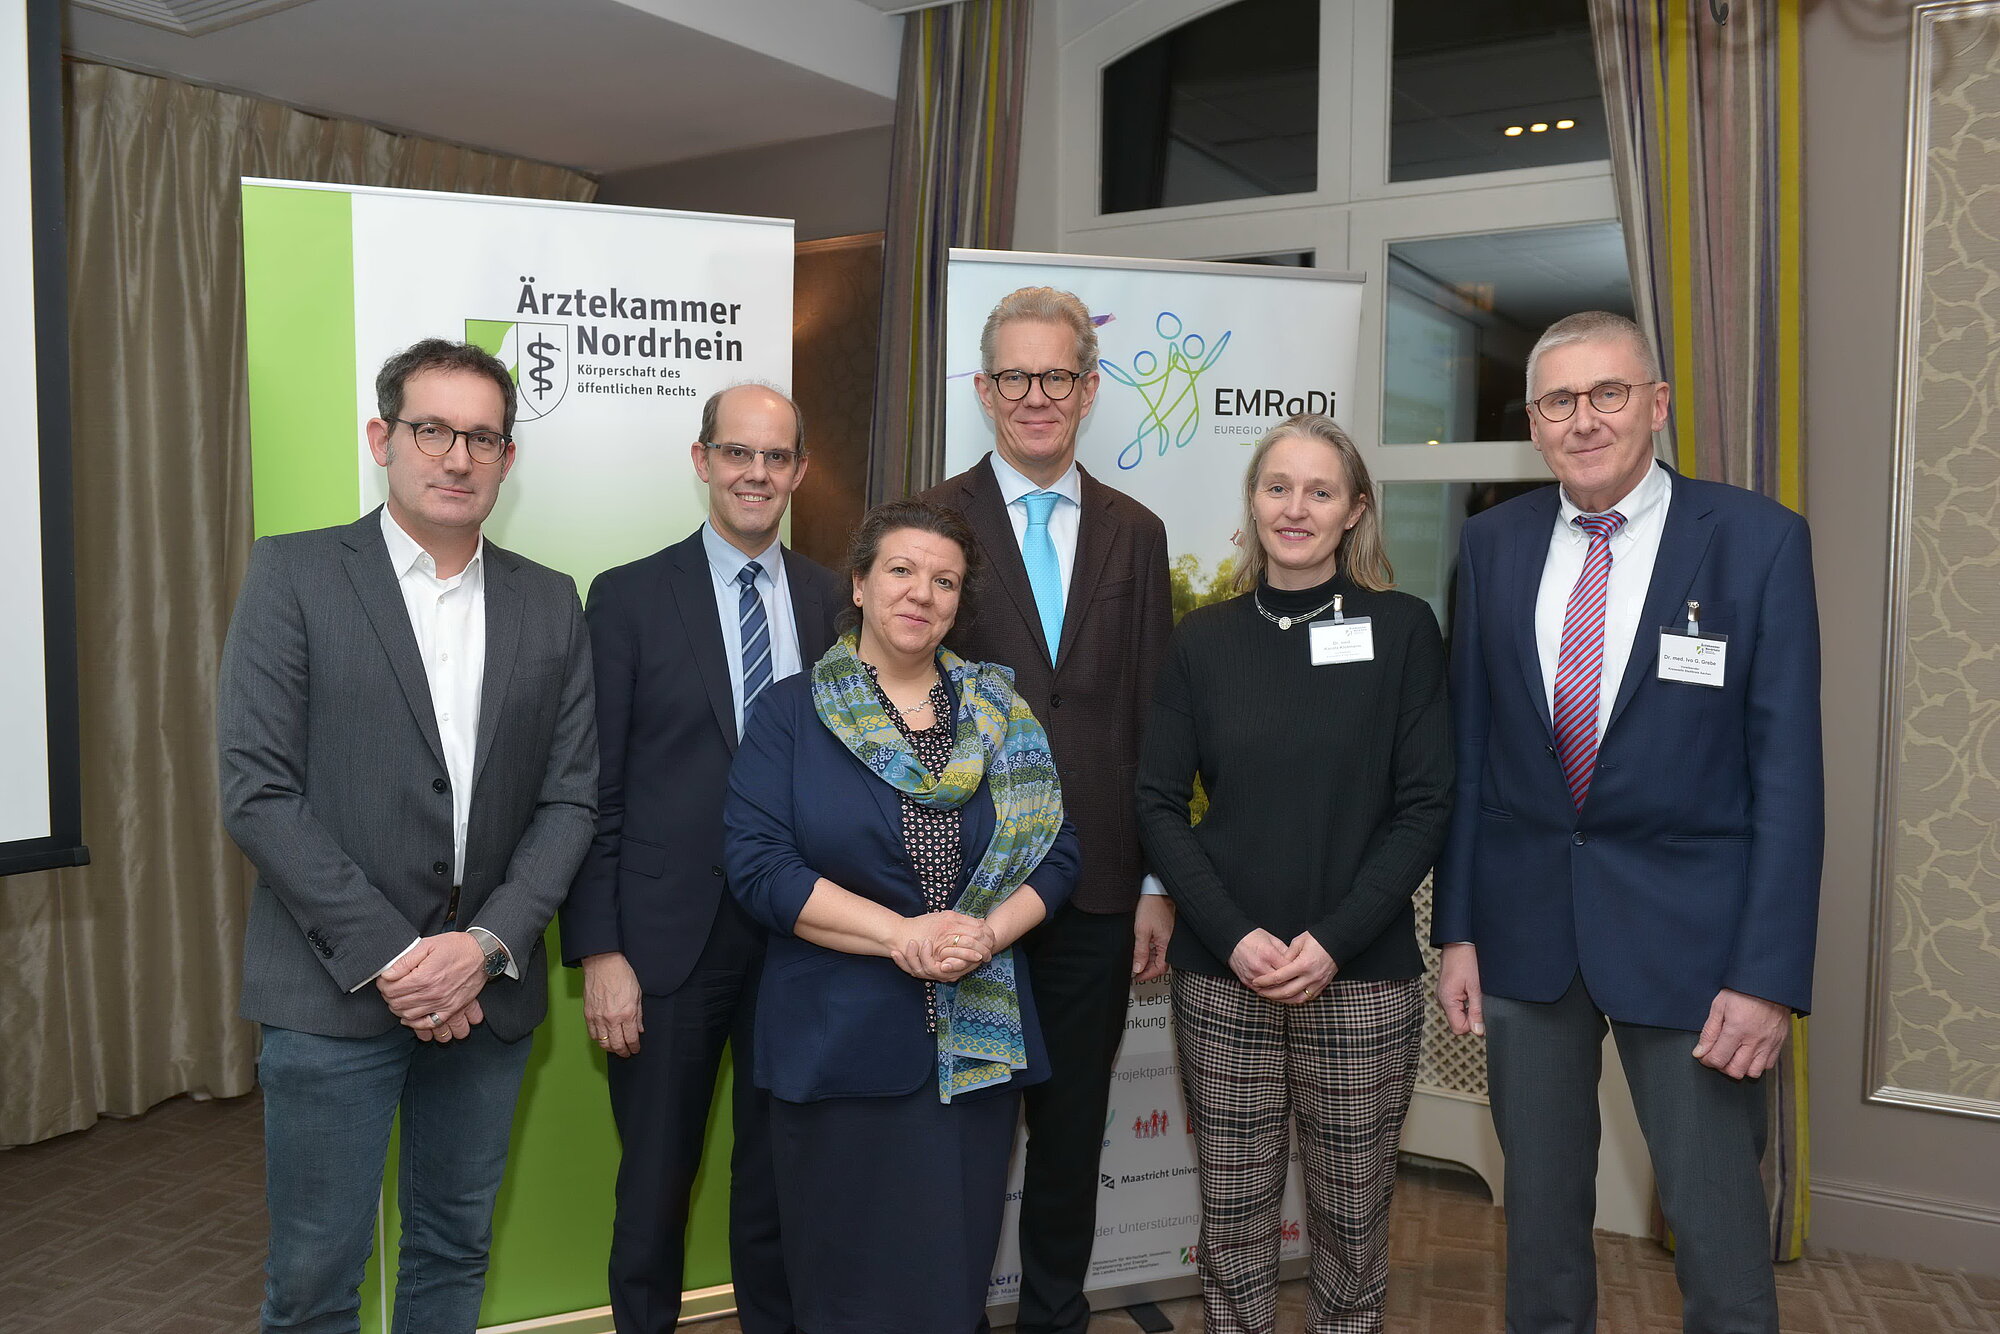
(1225, 106)
(1420, 526)
(1490, 85)
(1463, 311)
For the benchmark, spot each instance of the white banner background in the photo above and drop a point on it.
(599, 478)
(1198, 360)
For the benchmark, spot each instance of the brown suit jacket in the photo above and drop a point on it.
(1094, 691)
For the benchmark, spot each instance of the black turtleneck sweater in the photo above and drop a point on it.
(1328, 787)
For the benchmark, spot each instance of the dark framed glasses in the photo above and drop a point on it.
(1013, 385)
(1611, 396)
(436, 439)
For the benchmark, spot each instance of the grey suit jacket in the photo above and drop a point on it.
(334, 781)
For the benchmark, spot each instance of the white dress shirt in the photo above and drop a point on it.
(448, 617)
(725, 565)
(1064, 521)
(1063, 518)
(1634, 549)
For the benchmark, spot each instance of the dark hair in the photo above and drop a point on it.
(894, 515)
(711, 413)
(440, 354)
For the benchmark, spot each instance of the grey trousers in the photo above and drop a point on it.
(1704, 1132)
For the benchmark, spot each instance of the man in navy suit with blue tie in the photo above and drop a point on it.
(1637, 835)
(682, 643)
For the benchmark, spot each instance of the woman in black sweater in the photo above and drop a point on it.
(1312, 707)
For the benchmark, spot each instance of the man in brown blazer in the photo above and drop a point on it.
(1076, 600)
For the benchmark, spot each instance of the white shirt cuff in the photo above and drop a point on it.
(1151, 885)
(385, 967)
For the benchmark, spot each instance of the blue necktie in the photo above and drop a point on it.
(755, 635)
(1038, 553)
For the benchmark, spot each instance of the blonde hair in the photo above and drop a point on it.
(1046, 305)
(1360, 554)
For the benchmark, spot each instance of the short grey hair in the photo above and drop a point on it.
(1591, 326)
(1044, 305)
(711, 411)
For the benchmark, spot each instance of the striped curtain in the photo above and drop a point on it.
(958, 144)
(1705, 119)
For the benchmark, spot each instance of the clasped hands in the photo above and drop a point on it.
(942, 946)
(1288, 974)
(439, 975)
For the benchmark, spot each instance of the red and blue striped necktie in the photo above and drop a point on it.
(1580, 664)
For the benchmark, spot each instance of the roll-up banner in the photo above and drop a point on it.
(617, 323)
(1197, 360)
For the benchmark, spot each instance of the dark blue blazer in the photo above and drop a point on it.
(666, 731)
(1694, 864)
(800, 806)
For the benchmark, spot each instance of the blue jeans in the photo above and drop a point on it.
(328, 1105)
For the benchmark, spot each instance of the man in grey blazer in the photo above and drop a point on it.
(409, 758)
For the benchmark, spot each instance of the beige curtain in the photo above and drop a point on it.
(119, 985)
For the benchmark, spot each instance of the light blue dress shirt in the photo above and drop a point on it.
(724, 564)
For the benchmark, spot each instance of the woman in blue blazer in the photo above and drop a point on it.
(894, 819)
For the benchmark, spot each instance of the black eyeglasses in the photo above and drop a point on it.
(436, 439)
(1013, 385)
(740, 456)
(1560, 405)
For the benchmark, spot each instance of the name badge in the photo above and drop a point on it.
(1349, 640)
(1696, 659)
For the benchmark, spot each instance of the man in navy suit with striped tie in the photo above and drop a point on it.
(682, 643)
(1637, 831)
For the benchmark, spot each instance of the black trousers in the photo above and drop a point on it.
(660, 1098)
(1704, 1132)
(1080, 965)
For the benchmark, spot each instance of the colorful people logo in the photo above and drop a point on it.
(1167, 381)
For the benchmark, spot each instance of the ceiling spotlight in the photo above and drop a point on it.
(1565, 125)
(1511, 131)
(1538, 127)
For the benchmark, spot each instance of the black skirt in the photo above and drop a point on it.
(890, 1208)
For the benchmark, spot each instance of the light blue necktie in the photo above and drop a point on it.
(756, 638)
(1038, 553)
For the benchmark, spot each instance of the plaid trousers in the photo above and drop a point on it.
(1341, 1068)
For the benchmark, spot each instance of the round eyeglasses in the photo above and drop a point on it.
(1559, 405)
(1013, 385)
(436, 439)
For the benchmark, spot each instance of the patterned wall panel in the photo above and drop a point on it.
(1935, 1041)
(1450, 1063)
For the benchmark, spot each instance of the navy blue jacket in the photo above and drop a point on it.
(801, 807)
(1694, 864)
(666, 730)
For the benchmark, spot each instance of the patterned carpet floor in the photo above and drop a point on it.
(156, 1226)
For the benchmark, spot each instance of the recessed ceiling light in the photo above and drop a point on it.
(1565, 125)
(1538, 127)
(1511, 131)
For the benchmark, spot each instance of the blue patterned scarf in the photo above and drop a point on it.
(995, 740)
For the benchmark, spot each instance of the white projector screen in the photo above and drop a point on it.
(40, 824)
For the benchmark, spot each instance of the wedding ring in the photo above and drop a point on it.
(435, 1019)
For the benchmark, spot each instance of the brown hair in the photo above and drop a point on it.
(1360, 552)
(711, 413)
(1044, 305)
(894, 515)
(440, 354)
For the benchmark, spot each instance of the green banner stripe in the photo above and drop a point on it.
(298, 305)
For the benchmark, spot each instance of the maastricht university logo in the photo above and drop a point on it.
(1168, 382)
(536, 355)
